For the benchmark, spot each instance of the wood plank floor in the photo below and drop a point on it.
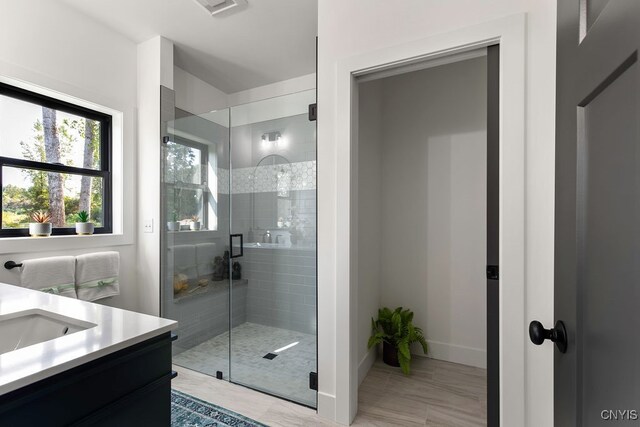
(436, 393)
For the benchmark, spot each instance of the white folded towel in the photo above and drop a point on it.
(205, 253)
(97, 275)
(184, 260)
(55, 275)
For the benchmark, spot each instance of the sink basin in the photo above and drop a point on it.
(29, 327)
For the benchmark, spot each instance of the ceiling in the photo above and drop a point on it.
(265, 42)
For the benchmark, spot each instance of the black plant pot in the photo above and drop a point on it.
(390, 354)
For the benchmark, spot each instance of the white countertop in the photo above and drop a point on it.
(116, 329)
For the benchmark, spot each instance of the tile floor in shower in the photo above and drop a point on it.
(287, 375)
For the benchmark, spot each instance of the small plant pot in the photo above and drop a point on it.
(390, 354)
(195, 226)
(184, 227)
(84, 228)
(173, 226)
(40, 229)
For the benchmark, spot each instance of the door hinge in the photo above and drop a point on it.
(313, 381)
(492, 272)
(313, 112)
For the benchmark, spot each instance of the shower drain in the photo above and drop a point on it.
(269, 356)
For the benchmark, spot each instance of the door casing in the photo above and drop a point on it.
(341, 403)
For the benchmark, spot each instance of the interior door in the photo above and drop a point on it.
(597, 227)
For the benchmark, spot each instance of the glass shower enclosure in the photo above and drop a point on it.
(239, 243)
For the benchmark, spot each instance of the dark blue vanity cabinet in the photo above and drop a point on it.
(130, 387)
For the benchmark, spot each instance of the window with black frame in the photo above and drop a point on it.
(55, 158)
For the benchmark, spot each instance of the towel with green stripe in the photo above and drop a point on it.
(54, 275)
(97, 275)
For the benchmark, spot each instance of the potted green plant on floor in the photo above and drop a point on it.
(40, 227)
(83, 225)
(396, 332)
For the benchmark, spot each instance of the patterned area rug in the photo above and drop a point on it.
(188, 411)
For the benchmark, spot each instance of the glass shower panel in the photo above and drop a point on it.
(195, 238)
(273, 207)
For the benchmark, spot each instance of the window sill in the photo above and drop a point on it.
(27, 244)
(193, 231)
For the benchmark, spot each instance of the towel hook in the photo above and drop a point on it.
(11, 264)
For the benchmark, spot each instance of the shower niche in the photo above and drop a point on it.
(239, 242)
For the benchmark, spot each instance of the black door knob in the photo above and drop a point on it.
(557, 334)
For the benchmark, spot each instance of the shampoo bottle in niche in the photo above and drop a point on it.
(218, 269)
(237, 271)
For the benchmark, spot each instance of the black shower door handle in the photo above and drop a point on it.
(231, 237)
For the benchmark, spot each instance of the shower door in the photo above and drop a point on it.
(195, 238)
(273, 247)
(239, 243)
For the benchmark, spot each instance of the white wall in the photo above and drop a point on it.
(52, 46)
(155, 68)
(370, 201)
(285, 87)
(433, 188)
(350, 28)
(196, 96)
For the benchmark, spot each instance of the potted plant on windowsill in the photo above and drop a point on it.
(40, 227)
(83, 226)
(174, 224)
(396, 332)
(195, 223)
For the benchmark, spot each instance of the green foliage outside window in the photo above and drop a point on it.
(78, 192)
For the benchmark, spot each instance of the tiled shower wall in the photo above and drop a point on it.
(255, 214)
(205, 316)
(282, 288)
(281, 291)
(282, 281)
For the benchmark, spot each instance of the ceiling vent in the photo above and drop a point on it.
(215, 7)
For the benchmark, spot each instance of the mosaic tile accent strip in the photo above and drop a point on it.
(269, 178)
(187, 410)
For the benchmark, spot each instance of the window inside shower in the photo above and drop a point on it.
(246, 307)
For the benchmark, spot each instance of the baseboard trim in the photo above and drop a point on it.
(327, 406)
(458, 354)
(366, 363)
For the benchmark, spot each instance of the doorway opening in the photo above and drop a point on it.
(425, 205)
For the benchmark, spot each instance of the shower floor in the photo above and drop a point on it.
(286, 375)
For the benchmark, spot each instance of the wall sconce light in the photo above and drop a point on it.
(271, 139)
